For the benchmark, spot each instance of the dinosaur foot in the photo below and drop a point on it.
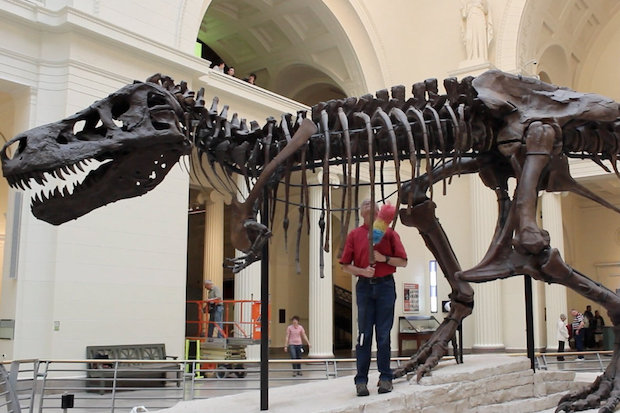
(603, 393)
(430, 353)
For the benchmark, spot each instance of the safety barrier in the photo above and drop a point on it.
(593, 361)
(18, 385)
(247, 324)
(42, 385)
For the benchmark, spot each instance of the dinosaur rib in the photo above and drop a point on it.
(389, 128)
(326, 203)
(344, 124)
(425, 140)
(306, 129)
(371, 169)
(404, 122)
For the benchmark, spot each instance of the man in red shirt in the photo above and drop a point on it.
(376, 295)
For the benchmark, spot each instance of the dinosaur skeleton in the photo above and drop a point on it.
(497, 125)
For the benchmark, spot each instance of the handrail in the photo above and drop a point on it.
(179, 380)
(564, 353)
(180, 361)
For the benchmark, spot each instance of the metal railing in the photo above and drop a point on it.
(591, 361)
(18, 385)
(118, 385)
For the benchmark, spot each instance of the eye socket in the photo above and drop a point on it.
(119, 107)
(155, 99)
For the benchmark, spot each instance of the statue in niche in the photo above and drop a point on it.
(477, 29)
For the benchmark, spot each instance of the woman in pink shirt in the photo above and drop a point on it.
(294, 344)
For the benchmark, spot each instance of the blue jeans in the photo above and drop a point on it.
(295, 351)
(579, 340)
(215, 317)
(375, 308)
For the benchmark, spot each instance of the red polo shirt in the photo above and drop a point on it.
(356, 250)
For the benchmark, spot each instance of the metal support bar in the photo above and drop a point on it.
(529, 320)
(11, 382)
(264, 309)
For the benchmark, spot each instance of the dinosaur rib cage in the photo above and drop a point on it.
(369, 129)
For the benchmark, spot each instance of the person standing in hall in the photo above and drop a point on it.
(295, 333)
(215, 307)
(599, 323)
(376, 295)
(588, 321)
(562, 335)
(578, 330)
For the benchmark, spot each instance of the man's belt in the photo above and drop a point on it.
(377, 280)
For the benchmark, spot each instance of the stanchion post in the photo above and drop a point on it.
(264, 311)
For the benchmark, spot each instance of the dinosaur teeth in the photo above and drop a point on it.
(39, 178)
(20, 184)
(61, 182)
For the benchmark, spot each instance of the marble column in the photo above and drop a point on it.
(488, 307)
(213, 252)
(555, 294)
(247, 288)
(320, 301)
(214, 240)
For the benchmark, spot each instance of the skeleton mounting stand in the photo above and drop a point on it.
(264, 310)
(529, 320)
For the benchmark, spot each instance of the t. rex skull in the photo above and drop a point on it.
(134, 135)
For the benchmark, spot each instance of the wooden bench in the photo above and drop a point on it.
(130, 374)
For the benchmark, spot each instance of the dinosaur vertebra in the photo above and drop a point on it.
(497, 125)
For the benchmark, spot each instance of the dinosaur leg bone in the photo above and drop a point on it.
(462, 295)
(549, 267)
(557, 271)
(539, 140)
(605, 391)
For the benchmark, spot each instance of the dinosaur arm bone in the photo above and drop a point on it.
(242, 212)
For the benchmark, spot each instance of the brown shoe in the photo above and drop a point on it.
(362, 389)
(385, 386)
